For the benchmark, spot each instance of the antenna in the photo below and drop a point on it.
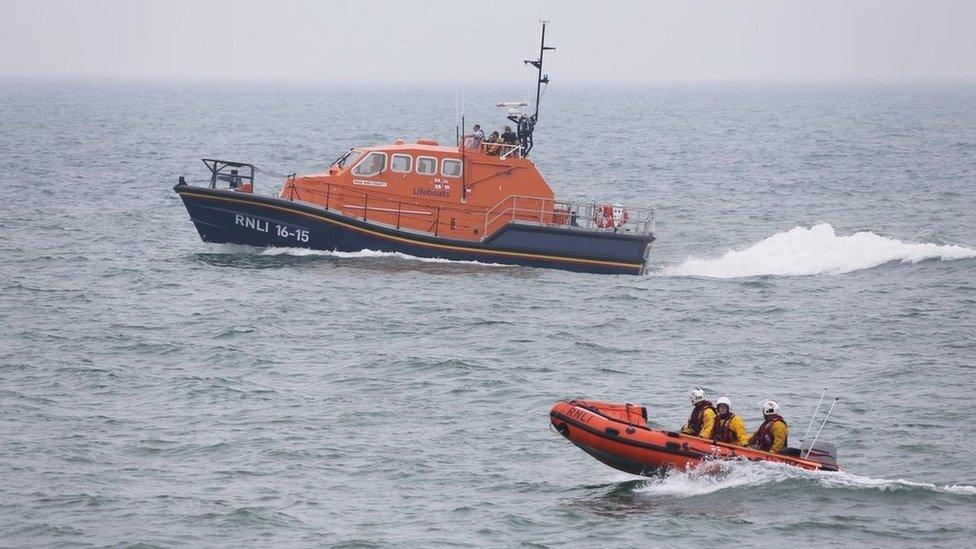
(459, 114)
(543, 78)
(831, 409)
(526, 124)
(815, 410)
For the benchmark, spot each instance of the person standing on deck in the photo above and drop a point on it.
(473, 140)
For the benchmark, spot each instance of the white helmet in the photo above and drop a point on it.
(725, 401)
(697, 395)
(770, 407)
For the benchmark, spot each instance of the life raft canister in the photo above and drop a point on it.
(610, 216)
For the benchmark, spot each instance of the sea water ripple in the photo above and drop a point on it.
(156, 390)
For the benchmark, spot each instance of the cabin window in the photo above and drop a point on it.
(373, 164)
(401, 163)
(451, 168)
(348, 159)
(427, 165)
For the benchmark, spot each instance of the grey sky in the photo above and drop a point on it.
(451, 41)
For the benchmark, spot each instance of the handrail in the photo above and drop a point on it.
(234, 178)
(580, 216)
(395, 210)
(509, 148)
(335, 190)
(542, 211)
(514, 209)
(342, 198)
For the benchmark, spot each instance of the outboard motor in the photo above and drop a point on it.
(822, 452)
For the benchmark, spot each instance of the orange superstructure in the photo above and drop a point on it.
(448, 191)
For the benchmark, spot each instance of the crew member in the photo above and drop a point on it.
(728, 427)
(508, 136)
(526, 125)
(702, 416)
(773, 433)
(491, 144)
(475, 138)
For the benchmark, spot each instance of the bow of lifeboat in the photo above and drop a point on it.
(618, 435)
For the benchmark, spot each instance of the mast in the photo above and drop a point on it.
(542, 78)
(526, 124)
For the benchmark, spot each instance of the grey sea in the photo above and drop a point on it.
(158, 391)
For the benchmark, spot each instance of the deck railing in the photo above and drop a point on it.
(570, 215)
(437, 219)
(462, 221)
(501, 150)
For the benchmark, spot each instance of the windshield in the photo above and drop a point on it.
(347, 159)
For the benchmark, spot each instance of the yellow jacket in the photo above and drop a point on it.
(730, 430)
(708, 421)
(778, 431)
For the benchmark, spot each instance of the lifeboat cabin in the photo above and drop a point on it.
(471, 200)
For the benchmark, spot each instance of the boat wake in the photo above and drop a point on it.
(719, 476)
(367, 254)
(815, 250)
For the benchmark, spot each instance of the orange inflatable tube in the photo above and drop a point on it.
(618, 436)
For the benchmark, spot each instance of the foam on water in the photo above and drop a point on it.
(815, 250)
(365, 254)
(714, 478)
(728, 475)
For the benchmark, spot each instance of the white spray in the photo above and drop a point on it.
(816, 250)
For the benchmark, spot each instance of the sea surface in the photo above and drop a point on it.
(158, 391)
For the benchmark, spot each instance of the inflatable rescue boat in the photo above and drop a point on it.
(618, 436)
(471, 200)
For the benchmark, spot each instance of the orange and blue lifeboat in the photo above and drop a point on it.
(424, 200)
(474, 200)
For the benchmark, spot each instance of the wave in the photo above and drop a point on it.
(718, 476)
(366, 254)
(815, 250)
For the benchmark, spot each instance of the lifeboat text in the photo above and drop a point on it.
(264, 226)
(251, 223)
(420, 191)
(580, 415)
(368, 183)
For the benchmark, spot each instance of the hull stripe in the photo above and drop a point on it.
(636, 266)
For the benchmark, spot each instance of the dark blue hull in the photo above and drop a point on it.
(223, 216)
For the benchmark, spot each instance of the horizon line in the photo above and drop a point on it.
(80, 79)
